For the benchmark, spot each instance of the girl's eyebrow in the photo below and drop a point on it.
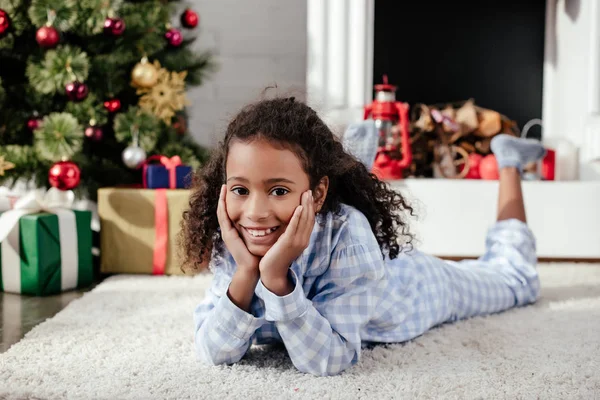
(278, 180)
(267, 181)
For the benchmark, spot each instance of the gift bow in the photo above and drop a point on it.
(53, 201)
(169, 163)
(7, 199)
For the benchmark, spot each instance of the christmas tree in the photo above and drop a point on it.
(90, 88)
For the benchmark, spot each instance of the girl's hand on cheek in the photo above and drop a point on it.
(236, 246)
(276, 262)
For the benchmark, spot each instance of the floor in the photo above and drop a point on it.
(19, 314)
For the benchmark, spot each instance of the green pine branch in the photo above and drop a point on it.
(135, 120)
(91, 15)
(64, 12)
(90, 109)
(60, 136)
(59, 67)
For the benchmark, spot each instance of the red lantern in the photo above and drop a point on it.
(64, 175)
(387, 113)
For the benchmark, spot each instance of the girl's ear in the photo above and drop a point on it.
(320, 193)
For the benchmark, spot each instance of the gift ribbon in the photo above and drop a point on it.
(161, 225)
(169, 163)
(53, 201)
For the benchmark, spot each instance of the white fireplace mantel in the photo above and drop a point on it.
(564, 216)
(340, 58)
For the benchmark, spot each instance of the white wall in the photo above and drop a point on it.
(571, 98)
(258, 43)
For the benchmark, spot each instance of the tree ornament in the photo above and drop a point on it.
(180, 125)
(47, 37)
(134, 156)
(76, 91)
(4, 22)
(5, 165)
(166, 97)
(144, 74)
(112, 105)
(189, 19)
(114, 26)
(64, 175)
(174, 37)
(93, 132)
(33, 123)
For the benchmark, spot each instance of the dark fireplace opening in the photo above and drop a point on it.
(441, 52)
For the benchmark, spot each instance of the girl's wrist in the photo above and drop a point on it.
(279, 285)
(248, 273)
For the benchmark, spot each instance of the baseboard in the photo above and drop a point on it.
(453, 216)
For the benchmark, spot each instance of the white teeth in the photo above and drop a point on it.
(255, 232)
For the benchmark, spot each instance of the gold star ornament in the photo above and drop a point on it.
(165, 97)
(5, 165)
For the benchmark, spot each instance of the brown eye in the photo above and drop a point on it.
(240, 191)
(280, 191)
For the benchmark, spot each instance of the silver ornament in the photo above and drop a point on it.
(133, 156)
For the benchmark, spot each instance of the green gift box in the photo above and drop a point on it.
(41, 265)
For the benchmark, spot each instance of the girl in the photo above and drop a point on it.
(306, 246)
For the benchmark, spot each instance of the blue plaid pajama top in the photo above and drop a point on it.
(347, 295)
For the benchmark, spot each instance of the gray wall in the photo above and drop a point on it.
(258, 43)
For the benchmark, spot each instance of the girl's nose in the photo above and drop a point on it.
(257, 208)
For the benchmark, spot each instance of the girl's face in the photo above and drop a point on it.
(264, 187)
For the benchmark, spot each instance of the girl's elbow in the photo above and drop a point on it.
(213, 355)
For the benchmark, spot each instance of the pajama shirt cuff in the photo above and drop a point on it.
(234, 320)
(284, 308)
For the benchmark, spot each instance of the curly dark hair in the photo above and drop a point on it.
(293, 125)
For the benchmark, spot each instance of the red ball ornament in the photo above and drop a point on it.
(64, 175)
(4, 22)
(94, 133)
(174, 37)
(112, 105)
(474, 162)
(76, 91)
(114, 26)
(33, 123)
(488, 168)
(47, 37)
(189, 19)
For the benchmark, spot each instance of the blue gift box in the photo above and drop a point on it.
(157, 176)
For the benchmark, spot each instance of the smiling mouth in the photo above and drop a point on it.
(259, 233)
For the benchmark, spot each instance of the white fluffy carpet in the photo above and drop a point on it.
(131, 338)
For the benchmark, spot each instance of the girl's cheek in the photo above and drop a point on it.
(287, 211)
(233, 208)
